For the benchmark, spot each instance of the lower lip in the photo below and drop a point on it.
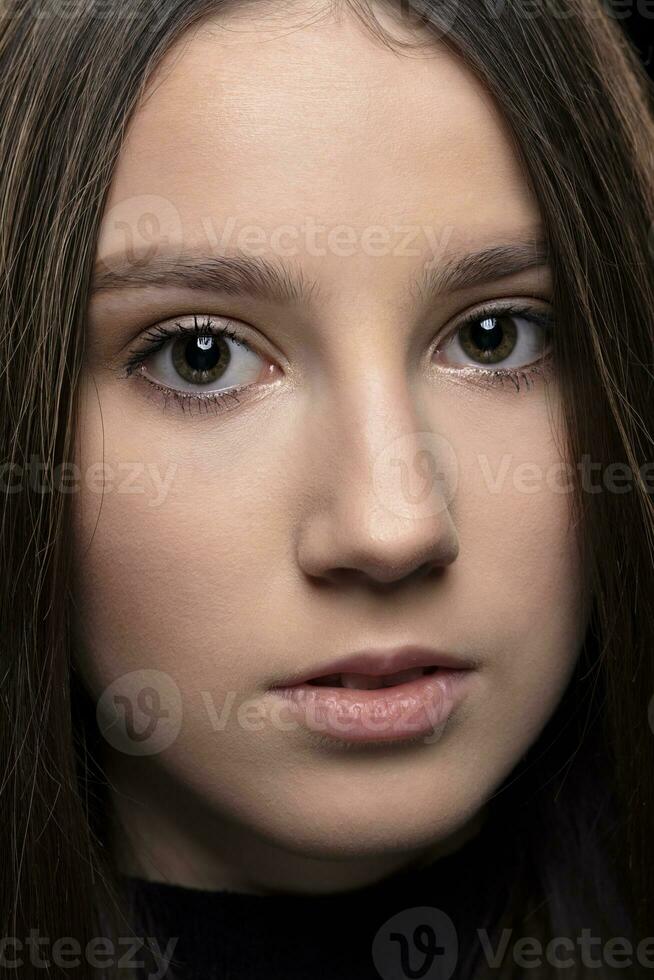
(417, 708)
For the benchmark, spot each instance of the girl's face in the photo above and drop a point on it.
(376, 484)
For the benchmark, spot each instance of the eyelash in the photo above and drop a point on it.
(528, 374)
(157, 336)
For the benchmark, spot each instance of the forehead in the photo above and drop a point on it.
(270, 120)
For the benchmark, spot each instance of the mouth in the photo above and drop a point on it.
(409, 703)
(368, 682)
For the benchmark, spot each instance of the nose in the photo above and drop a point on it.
(379, 512)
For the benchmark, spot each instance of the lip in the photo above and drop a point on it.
(377, 661)
(416, 708)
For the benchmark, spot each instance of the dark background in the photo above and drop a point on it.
(637, 19)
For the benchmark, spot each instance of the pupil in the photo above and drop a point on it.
(202, 353)
(487, 334)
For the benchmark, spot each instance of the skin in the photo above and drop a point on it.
(272, 548)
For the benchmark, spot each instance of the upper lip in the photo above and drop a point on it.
(378, 661)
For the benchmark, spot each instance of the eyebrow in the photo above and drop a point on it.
(271, 280)
(482, 267)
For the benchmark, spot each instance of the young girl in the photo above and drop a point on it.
(327, 525)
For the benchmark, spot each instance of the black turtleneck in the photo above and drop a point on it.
(413, 923)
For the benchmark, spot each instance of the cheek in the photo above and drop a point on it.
(176, 549)
(518, 572)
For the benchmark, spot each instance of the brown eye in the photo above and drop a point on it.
(490, 340)
(503, 338)
(204, 358)
(201, 360)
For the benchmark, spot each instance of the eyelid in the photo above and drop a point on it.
(516, 306)
(155, 337)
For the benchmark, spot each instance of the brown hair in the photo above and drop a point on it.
(580, 110)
